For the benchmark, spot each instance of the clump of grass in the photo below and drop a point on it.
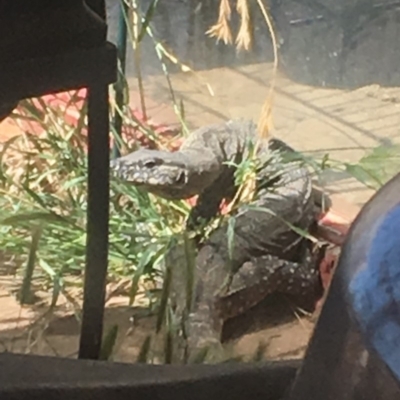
(43, 183)
(376, 167)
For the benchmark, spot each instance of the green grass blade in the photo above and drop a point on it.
(190, 258)
(147, 19)
(25, 296)
(168, 347)
(108, 343)
(164, 299)
(32, 216)
(144, 351)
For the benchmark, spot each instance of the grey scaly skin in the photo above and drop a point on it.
(217, 300)
(268, 255)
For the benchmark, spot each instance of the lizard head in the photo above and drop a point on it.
(162, 173)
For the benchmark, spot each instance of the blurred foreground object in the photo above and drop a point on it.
(355, 349)
(38, 28)
(50, 46)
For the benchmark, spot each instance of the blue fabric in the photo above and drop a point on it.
(376, 292)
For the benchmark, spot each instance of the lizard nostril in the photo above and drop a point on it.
(114, 164)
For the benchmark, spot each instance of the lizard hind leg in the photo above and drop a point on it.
(266, 275)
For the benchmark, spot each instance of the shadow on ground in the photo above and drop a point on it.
(274, 324)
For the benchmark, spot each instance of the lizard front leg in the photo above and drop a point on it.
(269, 274)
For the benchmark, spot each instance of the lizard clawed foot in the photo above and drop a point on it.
(208, 351)
(204, 338)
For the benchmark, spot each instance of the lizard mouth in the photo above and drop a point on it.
(172, 188)
(161, 181)
(181, 179)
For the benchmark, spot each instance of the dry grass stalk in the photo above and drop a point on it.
(247, 190)
(23, 152)
(243, 40)
(265, 123)
(23, 156)
(221, 29)
(244, 37)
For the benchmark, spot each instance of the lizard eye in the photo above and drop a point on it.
(149, 164)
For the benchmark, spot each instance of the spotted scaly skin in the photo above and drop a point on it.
(267, 254)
